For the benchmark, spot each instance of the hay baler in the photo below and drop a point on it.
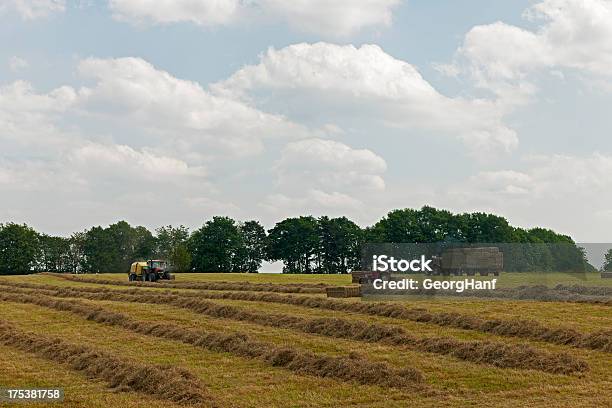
(150, 271)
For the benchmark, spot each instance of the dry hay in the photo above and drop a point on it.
(170, 383)
(301, 362)
(493, 353)
(309, 288)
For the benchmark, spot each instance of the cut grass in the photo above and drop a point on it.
(120, 373)
(506, 279)
(494, 353)
(240, 286)
(239, 382)
(299, 361)
(600, 340)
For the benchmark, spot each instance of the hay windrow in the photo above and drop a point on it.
(308, 288)
(302, 362)
(529, 329)
(170, 383)
(559, 293)
(493, 353)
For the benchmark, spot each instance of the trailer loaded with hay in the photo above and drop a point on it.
(469, 261)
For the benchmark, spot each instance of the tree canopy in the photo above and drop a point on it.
(303, 244)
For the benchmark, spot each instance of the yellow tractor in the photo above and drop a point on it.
(150, 271)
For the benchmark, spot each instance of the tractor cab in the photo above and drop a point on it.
(150, 271)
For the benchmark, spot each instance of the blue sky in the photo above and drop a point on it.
(172, 113)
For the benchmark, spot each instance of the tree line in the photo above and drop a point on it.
(303, 244)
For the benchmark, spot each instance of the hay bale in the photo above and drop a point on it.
(343, 291)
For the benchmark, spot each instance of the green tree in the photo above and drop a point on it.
(215, 246)
(76, 253)
(54, 254)
(171, 244)
(114, 248)
(340, 241)
(19, 249)
(252, 252)
(295, 242)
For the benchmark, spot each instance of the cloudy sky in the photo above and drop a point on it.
(170, 112)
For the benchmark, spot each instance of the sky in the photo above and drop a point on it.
(170, 112)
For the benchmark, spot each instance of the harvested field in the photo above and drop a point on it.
(347, 369)
(497, 354)
(254, 348)
(598, 340)
(169, 383)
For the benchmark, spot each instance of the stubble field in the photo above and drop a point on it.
(233, 340)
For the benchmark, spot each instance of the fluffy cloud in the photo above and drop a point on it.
(334, 18)
(128, 163)
(327, 177)
(202, 12)
(329, 165)
(573, 34)
(187, 116)
(545, 176)
(569, 193)
(316, 201)
(27, 118)
(33, 9)
(369, 83)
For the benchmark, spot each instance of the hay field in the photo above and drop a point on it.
(233, 340)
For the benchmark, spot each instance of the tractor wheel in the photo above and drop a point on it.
(132, 277)
(144, 277)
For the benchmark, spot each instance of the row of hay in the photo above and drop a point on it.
(350, 368)
(529, 329)
(560, 293)
(169, 383)
(482, 352)
(586, 290)
(239, 286)
(542, 293)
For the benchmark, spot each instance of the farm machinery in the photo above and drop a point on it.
(471, 261)
(450, 261)
(150, 271)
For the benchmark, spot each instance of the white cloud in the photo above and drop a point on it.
(202, 12)
(368, 82)
(333, 18)
(547, 176)
(17, 64)
(126, 162)
(27, 118)
(325, 177)
(33, 9)
(186, 115)
(573, 34)
(331, 166)
(312, 202)
(568, 193)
